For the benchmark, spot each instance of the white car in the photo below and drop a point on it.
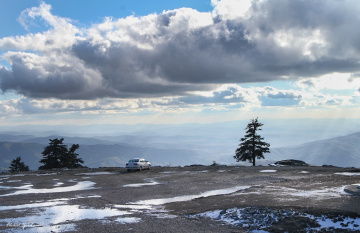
(138, 164)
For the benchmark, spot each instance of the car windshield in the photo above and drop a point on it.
(134, 161)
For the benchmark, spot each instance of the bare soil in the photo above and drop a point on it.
(313, 190)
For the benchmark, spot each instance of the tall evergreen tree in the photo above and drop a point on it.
(57, 155)
(252, 146)
(18, 166)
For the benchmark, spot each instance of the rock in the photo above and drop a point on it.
(223, 212)
(291, 162)
(352, 189)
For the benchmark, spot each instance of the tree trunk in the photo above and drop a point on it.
(253, 147)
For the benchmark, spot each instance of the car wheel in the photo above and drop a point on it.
(149, 167)
(140, 169)
(128, 170)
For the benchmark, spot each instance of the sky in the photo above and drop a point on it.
(181, 61)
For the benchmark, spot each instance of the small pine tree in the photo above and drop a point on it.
(18, 166)
(252, 145)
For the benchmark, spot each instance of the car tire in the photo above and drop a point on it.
(149, 167)
(128, 170)
(140, 169)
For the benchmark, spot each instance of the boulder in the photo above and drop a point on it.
(291, 162)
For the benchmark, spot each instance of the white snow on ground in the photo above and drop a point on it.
(162, 201)
(184, 172)
(45, 218)
(47, 174)
(270, 171)
(259, 219)
(140, 184)
(26, 189)
(126, 220)
(134, 207)
(151, 182)
(319, 193)
(153, 206)
(348, 173)
(195, 172)
(95, 173)
(53, 215)
(285, 192)
(345, 223)
(58, 184)
(13, 181)
(35, 205)
(35, 228)
(61, 201)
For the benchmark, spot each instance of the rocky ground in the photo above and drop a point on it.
(182, 199)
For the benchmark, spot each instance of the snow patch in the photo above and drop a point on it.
(348, 173)
(95, 173)
(13, 181)
(43, 219)
(162, 201)
(151, 182)
(58, 184)
(323, 193)
(168, 172)
(256, 219)
(304, 172)
(128, 220)
(27, 189)
(270, 171)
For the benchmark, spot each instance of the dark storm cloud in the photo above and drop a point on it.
(56, 81)
(176, 52)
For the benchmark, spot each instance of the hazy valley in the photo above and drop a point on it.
(179, 145)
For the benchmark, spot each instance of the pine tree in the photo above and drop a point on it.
(57, 155)
(71, 159)
(252, 146)
(18, 166)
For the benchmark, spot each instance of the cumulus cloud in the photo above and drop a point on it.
(28, 106)
(227, 94)
(271, 96)
(181, 51)
(335, 82)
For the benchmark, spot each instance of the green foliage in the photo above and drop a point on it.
(18, 166)
(57, 155)
(252, 146)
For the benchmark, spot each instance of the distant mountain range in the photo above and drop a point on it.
(175, 150)
(339, 151)
(99, 155)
